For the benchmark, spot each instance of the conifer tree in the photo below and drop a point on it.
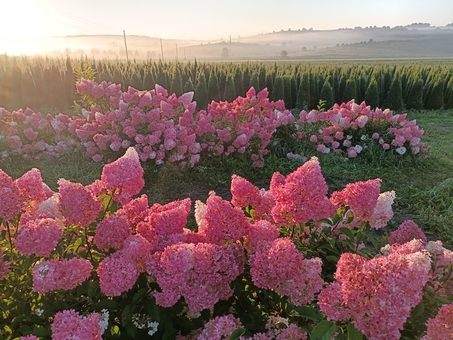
(278, 91)
(435, 98)
(201, 92)
(255, 82)
(303, 94)
(238, 85)
(372, 94)
(350, 91)
(415, 96)
(287, 92)
(230, 90)
(327, 95)
(213, 88)
(176, 83)
(395, 95)
(188, 86)
(449, 94)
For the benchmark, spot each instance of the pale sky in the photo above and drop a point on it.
(208, 19)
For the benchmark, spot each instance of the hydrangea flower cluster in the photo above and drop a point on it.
(369, 291)
(11, 202)
(273, 263)
(60, 274)
(348, 128)
(201, 273)
(221, 327)
(244, 125)
(156, 124)
(440, 327)
(407, 231)
(69, 324)
(300, 196)
(39, 236)
(33, 135)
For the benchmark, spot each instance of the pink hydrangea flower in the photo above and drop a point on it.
(360, 197)
(382, 212)
(117, 274)
(407, 231)
(11, 202)
(69, 324)
(201, 273)
(111, 232)
(221, 327)
(39, 236)
(441, 326)
(260, 231)
(244, 193)
(125, 176)
(31, 186)
(301, 196)
(77, 204)
(369, 292)
(60, 274)
(222, 222)
(137, 248)
(29, 337)
(274, 262)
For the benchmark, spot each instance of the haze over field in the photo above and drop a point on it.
(248, 30)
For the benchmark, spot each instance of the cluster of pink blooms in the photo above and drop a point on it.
(35, 136)
(339, 130)
(441, 327)
(221, 327)
(377, 294)
(442, 258)
(201, 273)
(69, 324)
(407, 231)
(39, 236)
(60, 274)
(273, 263)
(157, 125)
(244, 125)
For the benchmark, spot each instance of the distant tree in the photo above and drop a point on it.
(435, 98)
(350, 91)
(327, 94)
(415, 97)
(201, 92)
(213, 88)
(230, 90)
(225, 52)
(303, 94)
(278, 91)
(395, 94)
(284, 53)
(372, 94)
(304, 49)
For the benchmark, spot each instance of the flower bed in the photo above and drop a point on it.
(98, 261)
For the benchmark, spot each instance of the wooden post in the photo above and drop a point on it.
(125, 45)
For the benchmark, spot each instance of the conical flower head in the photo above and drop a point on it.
(124, 175)
(301, 196)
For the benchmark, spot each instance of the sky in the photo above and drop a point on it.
(29, 20)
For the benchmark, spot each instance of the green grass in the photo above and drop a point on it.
(423, 186)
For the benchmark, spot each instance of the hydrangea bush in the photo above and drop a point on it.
(167, 128)
(100, 261)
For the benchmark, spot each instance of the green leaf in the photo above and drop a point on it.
(141, 293)
(237, 333)
(126, 315)
(107, 304)
(348, 232)
(353, 333)
(310, 313)
(323, 330)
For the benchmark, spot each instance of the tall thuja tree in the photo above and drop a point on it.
(238, 84)
(395, 94)
(343, 78)
(435, 98)
(303, 94)
(448, 100)
(148, 80)
(262, 77)
(350, 91)
(414, 99)
(246, 78)
(230, 90)
(176, 82)
(255, 82)
(188, 86)
(293, 91)
(372, 94)
(362, 87)
(327, 95)
(278, 91)
(201, 92)
(270, 81)
(213, 87)
(287, 91)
